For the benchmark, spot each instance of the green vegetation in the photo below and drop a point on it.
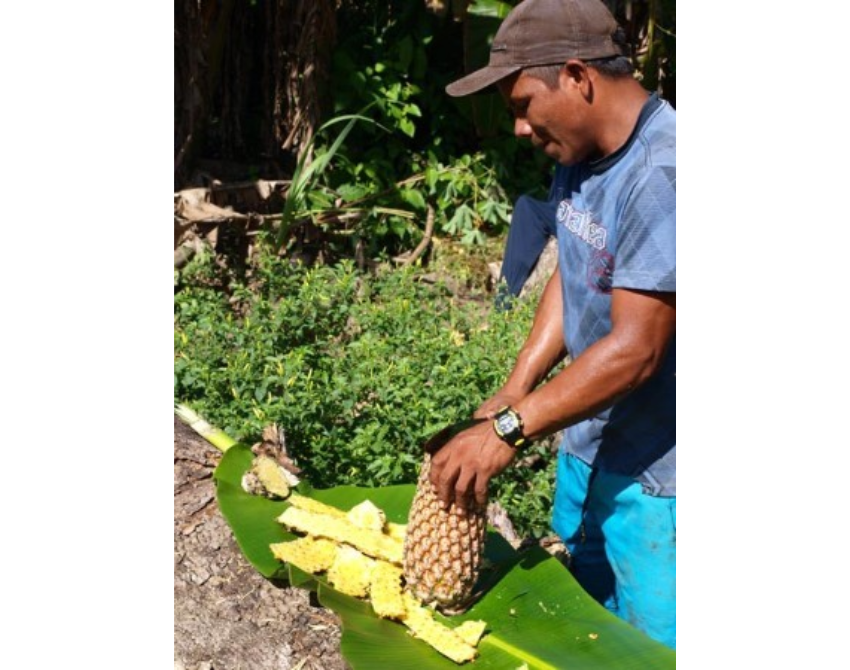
(357, 369)
(420, 154)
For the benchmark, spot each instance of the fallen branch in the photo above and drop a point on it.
(409, 259)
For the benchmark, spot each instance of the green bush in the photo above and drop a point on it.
(357, 370)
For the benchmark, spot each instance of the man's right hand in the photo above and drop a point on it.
(461, 471)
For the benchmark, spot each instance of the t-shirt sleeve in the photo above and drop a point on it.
(646, 249)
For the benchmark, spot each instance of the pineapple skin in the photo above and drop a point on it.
(443, 549)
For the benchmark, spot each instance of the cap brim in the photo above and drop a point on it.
(480, 79)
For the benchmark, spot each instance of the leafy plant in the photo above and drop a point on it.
(307, 172)
(358, 370)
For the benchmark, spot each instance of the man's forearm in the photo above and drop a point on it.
(544, 348)
(607, 370)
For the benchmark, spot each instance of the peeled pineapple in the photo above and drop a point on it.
(442, 548)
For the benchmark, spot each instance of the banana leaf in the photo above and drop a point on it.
(537, 614)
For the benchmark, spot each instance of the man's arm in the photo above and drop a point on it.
(543, 350)
(643, 325)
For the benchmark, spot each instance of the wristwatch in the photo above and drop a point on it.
(508, 426)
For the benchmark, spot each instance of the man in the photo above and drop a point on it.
(611, 306)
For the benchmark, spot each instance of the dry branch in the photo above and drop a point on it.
(410, 258)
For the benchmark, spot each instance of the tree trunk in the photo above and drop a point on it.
(250, 84)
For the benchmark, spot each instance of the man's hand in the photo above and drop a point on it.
(463, 468)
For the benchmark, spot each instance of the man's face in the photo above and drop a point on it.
(553, 119)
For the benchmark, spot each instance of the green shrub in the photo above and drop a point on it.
(358, 370)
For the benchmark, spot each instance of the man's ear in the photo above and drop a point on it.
(576, 75)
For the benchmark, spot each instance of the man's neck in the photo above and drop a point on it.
(620, 103)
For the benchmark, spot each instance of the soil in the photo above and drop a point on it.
(226, 615)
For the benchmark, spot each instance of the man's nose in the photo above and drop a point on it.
(522, 128)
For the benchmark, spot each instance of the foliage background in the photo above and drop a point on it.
(321, 326)
(256, 80)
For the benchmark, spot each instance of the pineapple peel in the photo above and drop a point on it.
(351, 572)
(368, 516)
(370, 542)
(421, 622)
(361, 554)
(310, 554)
(266, 478)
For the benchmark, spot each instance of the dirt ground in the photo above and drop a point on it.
(226, 615)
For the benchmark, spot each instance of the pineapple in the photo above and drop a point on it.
(341, 530)
(266, 478)
(360, 553)
(471, 631)
(442, 548)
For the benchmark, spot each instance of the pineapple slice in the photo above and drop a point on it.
(421, 622)
(367, 515)
(266, 478)
(351, 572)
(471, 631)
(310, 505)
(341, 530)
(310, 554)
(385, 591)
(396, 530)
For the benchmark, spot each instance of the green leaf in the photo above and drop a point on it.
(252, 519)
(407, 127)
(413, 198)
(536, 613)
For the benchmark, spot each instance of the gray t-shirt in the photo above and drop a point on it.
(616, 223)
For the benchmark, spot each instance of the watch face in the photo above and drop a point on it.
(507, 423)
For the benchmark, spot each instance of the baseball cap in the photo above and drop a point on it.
(544, 32)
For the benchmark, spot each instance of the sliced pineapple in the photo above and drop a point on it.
(421, 622)
(396, 530)
(385, 591)
(266, 478)
(305, 503)
(362, 555)
(471, 631)
(367, 515)
(351, 572)
(312, 555)
(341, 530)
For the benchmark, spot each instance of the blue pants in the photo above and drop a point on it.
(623, 545)
(532, 224)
